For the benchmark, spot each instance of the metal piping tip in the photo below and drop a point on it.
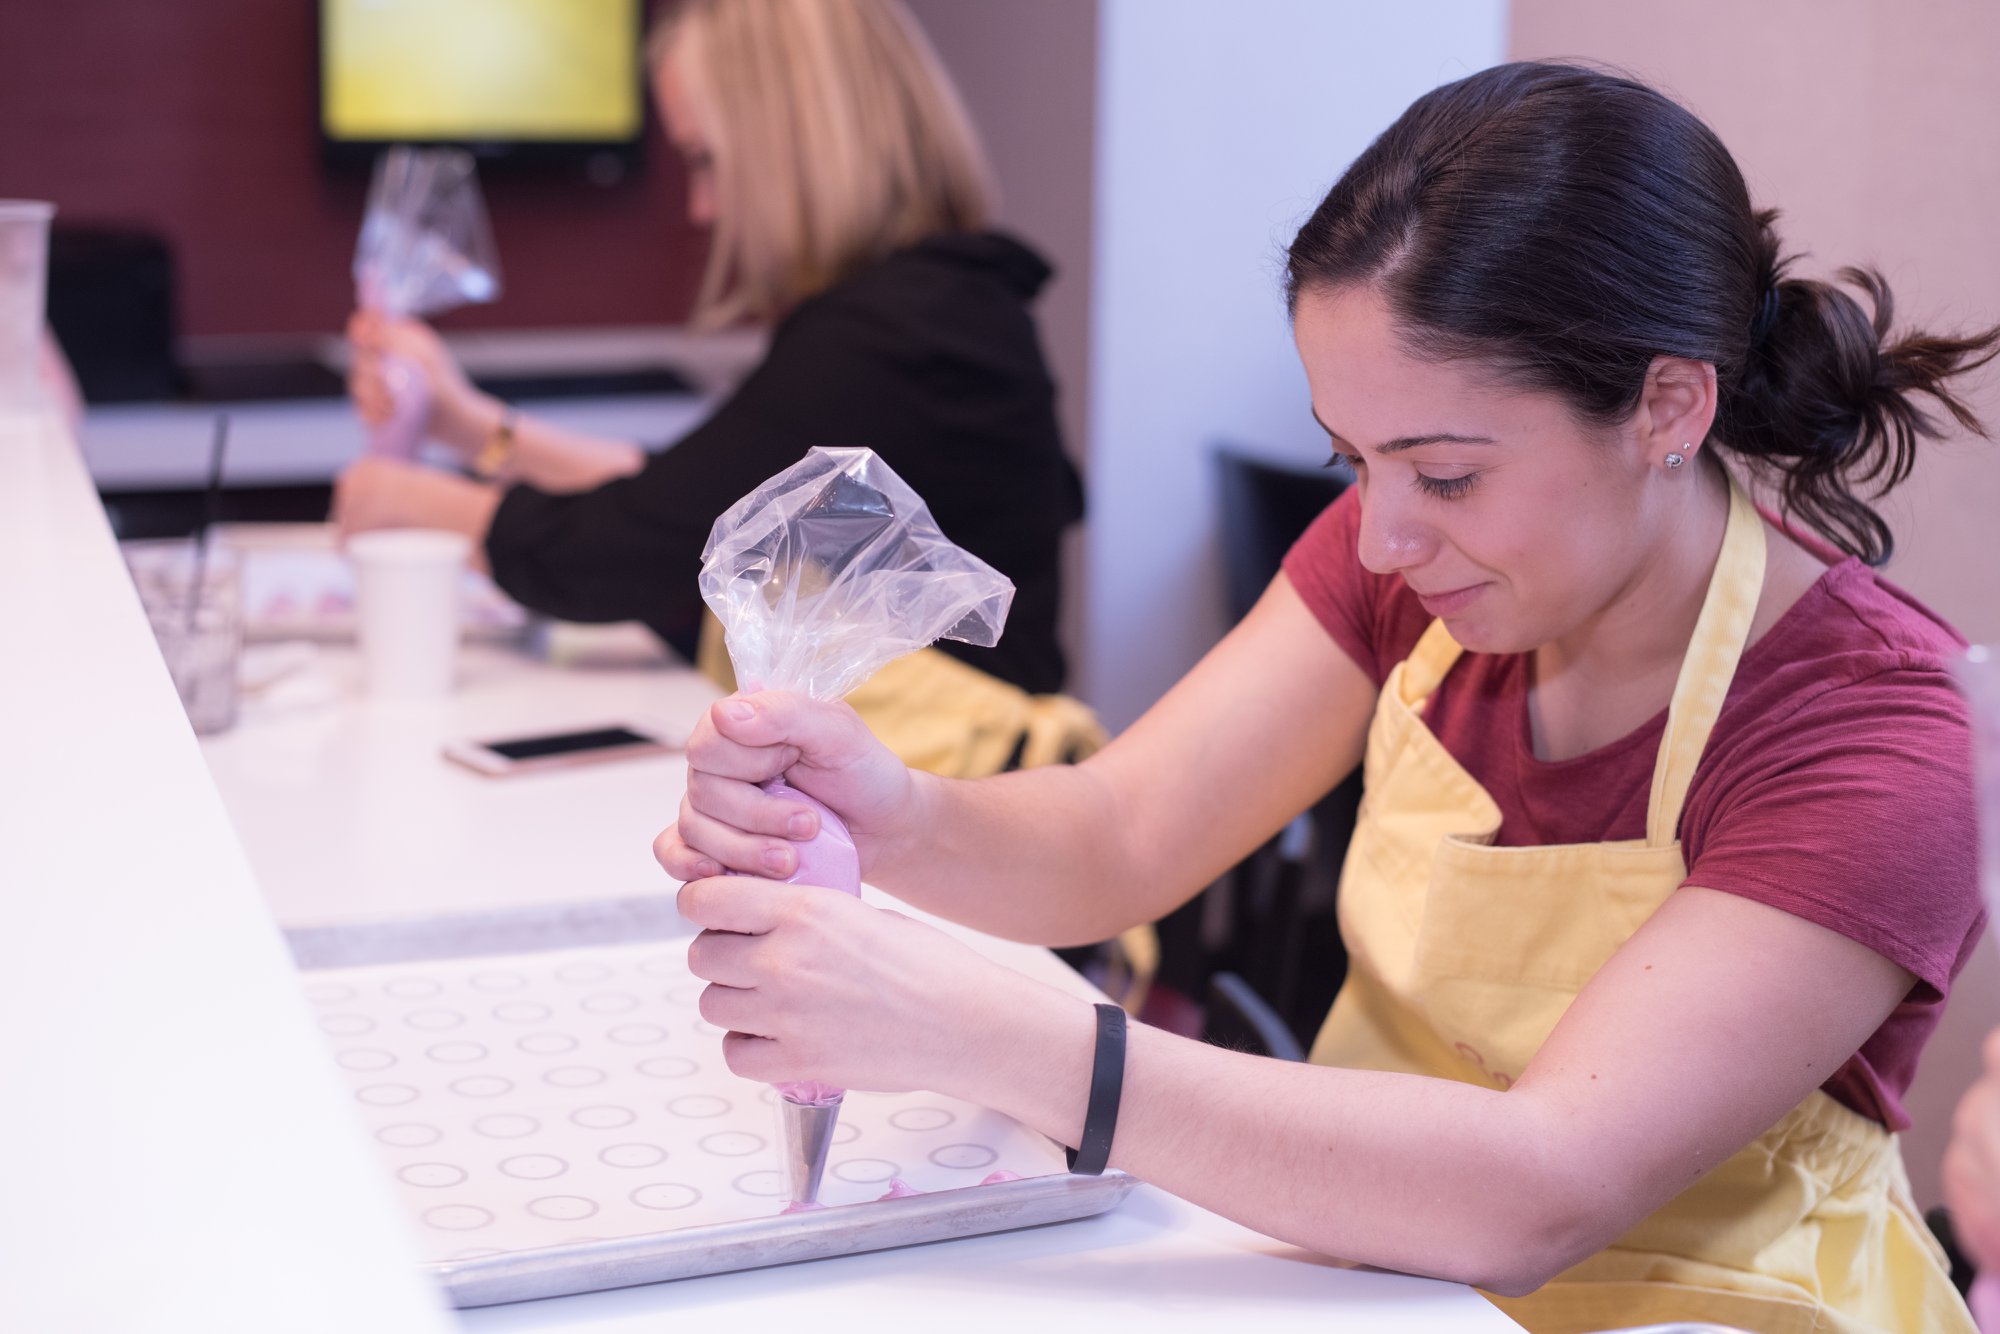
(808, 1134)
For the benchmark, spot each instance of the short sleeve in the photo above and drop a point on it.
(1853, 809)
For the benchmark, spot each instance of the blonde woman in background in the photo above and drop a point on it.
(849, 200)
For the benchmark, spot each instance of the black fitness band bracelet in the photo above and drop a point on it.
(1107, 1084)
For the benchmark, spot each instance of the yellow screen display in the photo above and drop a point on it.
(480, 70)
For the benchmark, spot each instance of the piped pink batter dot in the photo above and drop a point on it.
(995, 1178)
(800, 1207)
(899, 1189)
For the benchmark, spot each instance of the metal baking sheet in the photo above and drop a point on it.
(559, 1119)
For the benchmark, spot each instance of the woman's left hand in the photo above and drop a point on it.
(813, 984)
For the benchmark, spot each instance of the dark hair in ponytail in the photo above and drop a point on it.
(1565, 226)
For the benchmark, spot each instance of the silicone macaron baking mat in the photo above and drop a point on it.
(532, 1100)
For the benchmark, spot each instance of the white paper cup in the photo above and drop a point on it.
(407, 583)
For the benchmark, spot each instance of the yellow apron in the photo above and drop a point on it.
(1462, 957)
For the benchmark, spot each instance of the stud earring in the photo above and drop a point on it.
(1674, 460)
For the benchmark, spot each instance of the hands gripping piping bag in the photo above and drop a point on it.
(821, 577)
(425, 248)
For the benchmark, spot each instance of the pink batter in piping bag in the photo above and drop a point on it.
(425, 248)
(821, 577)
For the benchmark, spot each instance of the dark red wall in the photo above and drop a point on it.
(195, 118)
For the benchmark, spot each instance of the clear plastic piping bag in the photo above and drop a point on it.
(821, 577)
(425, 248)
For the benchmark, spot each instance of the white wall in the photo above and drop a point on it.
(1219, 127)
(1028, 72)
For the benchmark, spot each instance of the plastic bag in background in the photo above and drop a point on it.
(1978, 675)
(425, 248)
(821, 577)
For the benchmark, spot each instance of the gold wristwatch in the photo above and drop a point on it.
(498, 451)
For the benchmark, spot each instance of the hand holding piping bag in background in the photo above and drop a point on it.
(425, 247)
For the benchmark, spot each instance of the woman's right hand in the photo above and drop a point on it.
(727, 823)
(461, 416)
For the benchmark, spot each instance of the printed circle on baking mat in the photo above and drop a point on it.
(866, 1171)
(547, 1044)
(666, 1195)
(919, 1119)
(699, 1106)
(564, 1208)
(346, 1025)
(574, 1076)
(521, 1012)
(506, 1125)
(633, 1155)
(964, 1157)
(497, 979)
(666, 1067)
(385, 1095)
(457, 1217)
(765, 1183)
(432, 1021)
(732, 1143)
(456, 1053)
(365, 1058)
(846, 1133)
(329, 993)
(482, 1086)
(411, 988)
(637, 1035)
(431, 1175)
(534, 1166)
(609, 1002)
(582, 971)
(409, 1135)
(603, 1117)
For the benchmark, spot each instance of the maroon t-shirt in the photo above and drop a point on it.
(1837, 784)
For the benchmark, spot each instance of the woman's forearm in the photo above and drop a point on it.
(1423, 1175)
(550, 458)
(546, 456)
(1035, 855)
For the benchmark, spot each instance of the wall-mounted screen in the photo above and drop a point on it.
(524, 78)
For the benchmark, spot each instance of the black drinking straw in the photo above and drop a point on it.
(211, 510)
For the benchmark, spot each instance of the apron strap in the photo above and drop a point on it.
(1427, 664)
(1710, 665)
(1720, 634)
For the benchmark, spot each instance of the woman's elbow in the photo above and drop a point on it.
(1523, 1259)
(1542, 1235)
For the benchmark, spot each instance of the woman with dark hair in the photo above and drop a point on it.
(1666, 860)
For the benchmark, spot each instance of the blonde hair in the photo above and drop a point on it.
(836, 138)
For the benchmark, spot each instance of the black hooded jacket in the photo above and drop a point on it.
(930, 358)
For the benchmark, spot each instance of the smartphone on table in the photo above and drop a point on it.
(507, 756)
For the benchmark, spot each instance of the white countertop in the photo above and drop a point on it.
(134, 1204)
(289, 442)
(180, 1156)
(370, 769)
